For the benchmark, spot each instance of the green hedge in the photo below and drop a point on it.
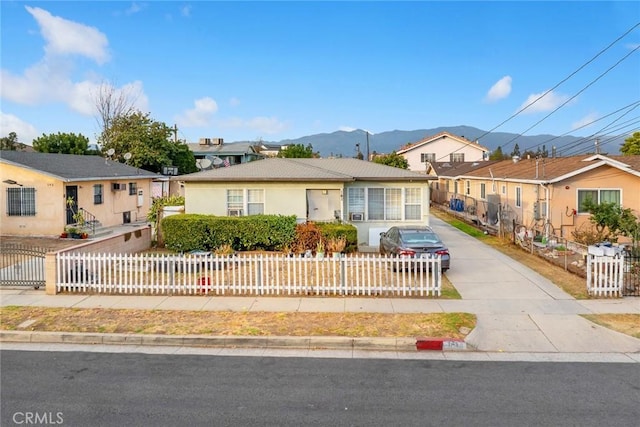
(188, 232)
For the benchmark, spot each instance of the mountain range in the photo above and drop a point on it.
(347, 143)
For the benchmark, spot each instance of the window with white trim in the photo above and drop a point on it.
(518, 197)
(355, 201)
(97, 194)
(21, 201)
(483, 190)
(427, 157)
(503, 189)
(255, 202)
(133, 188)
(598, 196)
(456, 157)
(412, 203)
(235, 202)
(467, 187)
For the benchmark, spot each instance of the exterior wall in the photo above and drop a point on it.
(115, 203)
(442, 147)
(50, 199)
(283, 198)
(50, 205)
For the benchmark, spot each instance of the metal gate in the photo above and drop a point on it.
(22, 265)
(631, 276)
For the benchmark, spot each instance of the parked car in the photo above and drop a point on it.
(414, 242)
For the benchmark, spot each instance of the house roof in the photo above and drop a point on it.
(453, 169)
(71, 167)
(550, 170)
(286, 169)
(445, 134)
(225, 149)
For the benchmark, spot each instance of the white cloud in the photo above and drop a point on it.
(25, 131)
(501, 89)
(65, 37)
(234, 102)
(584, 122)
(549, 102)
(199, 116)
(134, 8)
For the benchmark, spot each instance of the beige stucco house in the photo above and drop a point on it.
(37, 186)
(443, 147)
(544, 194)
(370, 196)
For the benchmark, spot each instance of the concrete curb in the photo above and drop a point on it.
(307, 342)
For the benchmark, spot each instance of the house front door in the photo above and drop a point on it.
(71, 194)
(323, 205)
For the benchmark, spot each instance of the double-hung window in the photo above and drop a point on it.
(412, 203)
(21, 201)
(133, 188)
(97, 194)
(427, 157)
(518, 197)
(235, 202)
(255, 202)
(598, 196)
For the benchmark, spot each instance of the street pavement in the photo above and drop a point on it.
(519, 313)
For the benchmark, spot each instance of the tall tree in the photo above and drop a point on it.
(393, 159)
(631, 145)
(297, 151)
(64, 143)
(110, 104)
(497, 154)
(11, 143)
(516, 150)
(149, 143)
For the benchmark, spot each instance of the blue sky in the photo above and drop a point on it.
(280, 70)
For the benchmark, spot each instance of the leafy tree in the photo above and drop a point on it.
(497, 154)
(11, 142)
(297, 151)
(63, 143)
(516, 150)
(393, 159)
(612, 220)
(149, 143)
(631, 145)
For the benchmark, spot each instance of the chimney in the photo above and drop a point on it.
(205, 141)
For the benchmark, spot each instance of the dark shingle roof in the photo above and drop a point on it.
(278, 169)
(70, 167)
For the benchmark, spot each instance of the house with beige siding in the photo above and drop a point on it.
(36, 189)
(544, 194)
(443, 147)
(371, 196)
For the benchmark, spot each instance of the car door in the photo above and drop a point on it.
(387, 241)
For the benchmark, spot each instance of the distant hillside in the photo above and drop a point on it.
(344, 143)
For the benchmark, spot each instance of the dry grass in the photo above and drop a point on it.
(628, 324)
(453, 325)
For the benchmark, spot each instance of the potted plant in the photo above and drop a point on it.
(336, 245)
(73, 232)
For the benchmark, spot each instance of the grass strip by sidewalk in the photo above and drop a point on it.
(228, 323)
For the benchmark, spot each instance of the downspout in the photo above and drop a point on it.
(547, 209)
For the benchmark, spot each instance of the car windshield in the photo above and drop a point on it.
(412, 237)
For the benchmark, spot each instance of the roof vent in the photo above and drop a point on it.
(205, 141)
(515, 159)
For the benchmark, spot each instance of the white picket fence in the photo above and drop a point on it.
(605, 275)
(255, 274)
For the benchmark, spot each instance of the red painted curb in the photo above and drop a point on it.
(440, 344)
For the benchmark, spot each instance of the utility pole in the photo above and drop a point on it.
(175, 133)
(368, 158)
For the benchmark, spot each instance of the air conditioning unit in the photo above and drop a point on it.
(116, 186)
(217, 141)
(356, 216)
(234, 212)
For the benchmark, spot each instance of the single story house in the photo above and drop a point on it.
(38, 186)
(371, 196)
(442, 147)
(546, 194)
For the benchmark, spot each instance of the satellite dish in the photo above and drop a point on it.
(217, 161)
(111, 152)
(127, 156)
(203, 163)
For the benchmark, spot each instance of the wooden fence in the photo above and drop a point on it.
(255, 274)
(605, 275)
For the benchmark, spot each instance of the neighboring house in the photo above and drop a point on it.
(36, 188)
(443, 147)
(368, 195)
(546, 194)
(211, 153)
(446, 174)
(271, 150)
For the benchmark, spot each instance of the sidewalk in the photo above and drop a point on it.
(518, 310)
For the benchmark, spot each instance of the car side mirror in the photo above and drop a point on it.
(383, 234)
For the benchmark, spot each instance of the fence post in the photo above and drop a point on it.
(50, 270)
